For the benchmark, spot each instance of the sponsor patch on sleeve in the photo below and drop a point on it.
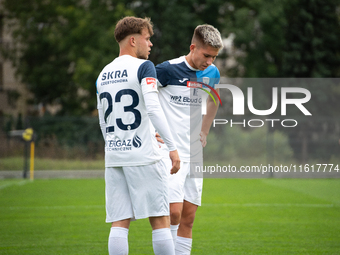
(152, 82)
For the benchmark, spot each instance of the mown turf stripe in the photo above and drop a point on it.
(274, 205)
(52, 207)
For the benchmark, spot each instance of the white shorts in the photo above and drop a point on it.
(136, 192)
(182, 186)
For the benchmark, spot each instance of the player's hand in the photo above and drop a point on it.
(203, 139)
(159, 139)
(175, 161)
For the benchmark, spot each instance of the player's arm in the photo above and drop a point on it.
(163, 79)
(102, 122)
(159, 121)
(209, 117)
(156, 114)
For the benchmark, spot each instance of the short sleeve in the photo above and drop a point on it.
(146, 70)
(162, 73)
(218, 77)
(215, 79)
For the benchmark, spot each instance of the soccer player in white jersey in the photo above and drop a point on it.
(136, 179)
(182, 106)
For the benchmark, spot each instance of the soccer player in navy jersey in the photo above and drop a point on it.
(182, 104)
(136, 179)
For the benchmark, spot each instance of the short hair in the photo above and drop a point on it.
(207, 35)
(131, 25)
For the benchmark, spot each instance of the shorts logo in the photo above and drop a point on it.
(152, 82)
(137, 142)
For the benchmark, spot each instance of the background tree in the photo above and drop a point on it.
(174, 22)
(313, 50)
(299, 38)
(60, 46)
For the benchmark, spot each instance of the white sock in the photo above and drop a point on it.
(118, 241)
(174, 229)
(183, 246)
(162, 242)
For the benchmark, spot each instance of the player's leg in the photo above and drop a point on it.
(184, 234)
(159, 222)
(187, 219)
(192, 199)
(161, 236)
(175, 218)
(176, 196)
(118, 238)
(118, 210)
(148, 187)
(175, 213)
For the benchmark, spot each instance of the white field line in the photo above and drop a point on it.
(272, 205)
(8, 184)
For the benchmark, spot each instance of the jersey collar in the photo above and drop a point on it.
(188, 65)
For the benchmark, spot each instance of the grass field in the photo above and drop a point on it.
(17, 163)
(238, 216)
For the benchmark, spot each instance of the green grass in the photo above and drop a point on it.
(17, 163)
(238, 216)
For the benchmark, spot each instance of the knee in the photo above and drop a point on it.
(188, 220)
(175, 217)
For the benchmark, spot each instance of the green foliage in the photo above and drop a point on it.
(174, 22)
(286, 38)
(69, 135)
(69, 130)
(312, 48)
(294, 39)
(61, 46)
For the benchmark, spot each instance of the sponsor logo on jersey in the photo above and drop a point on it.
(184, 79)
(152, 82)
(175, 99)
(206, 80)
(185, 100)
(192, 100)
(118, 145)
(123, 145)
(114, 77)
(137, 142)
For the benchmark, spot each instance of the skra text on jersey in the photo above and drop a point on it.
(118, 74)
(114, 77)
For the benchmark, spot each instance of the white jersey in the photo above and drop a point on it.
(182, 104)
(130, 136)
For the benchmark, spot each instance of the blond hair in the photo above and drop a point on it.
(207, 35)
